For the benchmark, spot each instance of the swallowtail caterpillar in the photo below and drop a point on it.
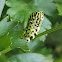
(33, 26)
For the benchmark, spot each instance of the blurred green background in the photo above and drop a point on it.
(13, 19)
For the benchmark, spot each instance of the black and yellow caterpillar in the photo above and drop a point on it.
(33, 26)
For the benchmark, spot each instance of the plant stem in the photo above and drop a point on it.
(49, 31)
(6, 50)
(9, 49)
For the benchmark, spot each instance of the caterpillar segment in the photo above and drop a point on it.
(34, 23)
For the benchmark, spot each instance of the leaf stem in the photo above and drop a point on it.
(9, 49)
(50, 30)
(6, 50)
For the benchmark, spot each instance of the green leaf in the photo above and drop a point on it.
(5, 42)
(59, 6)
(48, 8)
(45, 51)
(2, 3)
(21, 10)
(58, 60)
(3, 58)
(17, 42)
(30, 57)
(18, 10)
(33, 44)
(45, 26)
(6, 26)
(58, 1)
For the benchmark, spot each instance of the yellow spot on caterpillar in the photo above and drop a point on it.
(37, 12)
(28, 28)
(27, 31)
(36, 15)
(33, 17)
(21, 37)
(30, 21)
(29, 25)
(32, 13)
(41, 11)
(29, 17)
(24, 34)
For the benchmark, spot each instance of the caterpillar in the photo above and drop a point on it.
(33, 26)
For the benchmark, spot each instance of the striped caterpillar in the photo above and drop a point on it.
(33, 25)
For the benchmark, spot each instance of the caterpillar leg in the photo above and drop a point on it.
(28, 39)
(33, 36)
(35, 33)
(38, 28)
